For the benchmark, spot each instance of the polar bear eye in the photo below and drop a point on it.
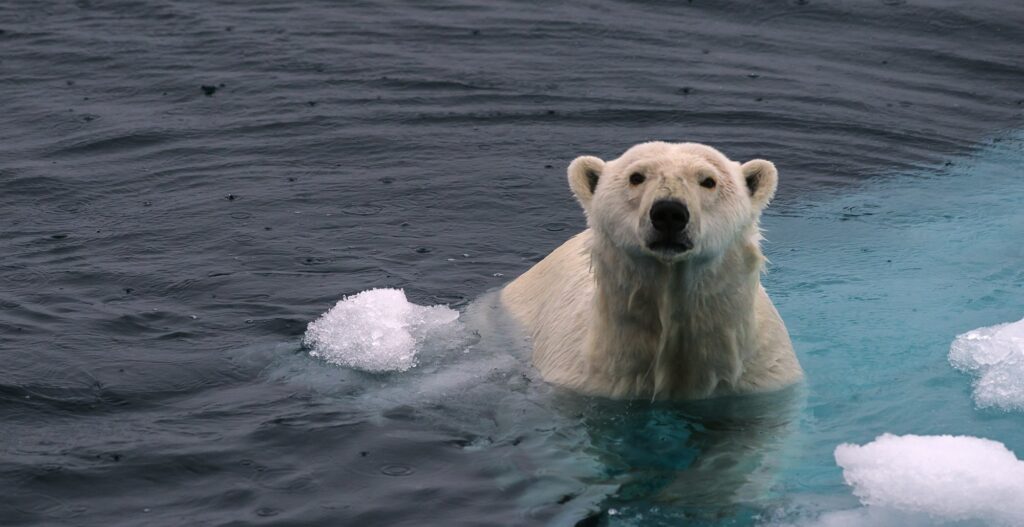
(636, 178)
(708, 182)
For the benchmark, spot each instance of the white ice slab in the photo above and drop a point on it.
(377, 330)
(995, 355)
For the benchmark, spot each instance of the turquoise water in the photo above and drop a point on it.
(874, 283)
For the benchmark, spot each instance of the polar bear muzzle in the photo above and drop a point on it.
(669, 218)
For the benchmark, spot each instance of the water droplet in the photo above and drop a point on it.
(396, 470)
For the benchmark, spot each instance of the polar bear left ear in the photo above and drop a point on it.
(762, 179)
(584, 173)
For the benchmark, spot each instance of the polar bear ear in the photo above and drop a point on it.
(762, 179)
(584, 173)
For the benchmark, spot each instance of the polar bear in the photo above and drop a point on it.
(661, 296)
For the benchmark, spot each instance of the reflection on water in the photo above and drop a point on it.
(694, 461)
(571, 458)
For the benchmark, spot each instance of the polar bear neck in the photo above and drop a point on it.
(684, 329)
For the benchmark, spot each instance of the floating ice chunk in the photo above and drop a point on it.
(996, 355)
(947, 478)
(377, 330)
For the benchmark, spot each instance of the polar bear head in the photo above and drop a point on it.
(673, 201)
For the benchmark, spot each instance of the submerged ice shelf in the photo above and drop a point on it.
(882, 288)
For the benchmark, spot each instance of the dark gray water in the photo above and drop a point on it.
(185, 185)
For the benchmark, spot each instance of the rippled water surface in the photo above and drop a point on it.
(185, 185)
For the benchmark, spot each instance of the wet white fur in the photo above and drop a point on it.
(610, 317)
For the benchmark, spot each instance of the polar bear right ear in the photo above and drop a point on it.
(584, 173)
(762, 179)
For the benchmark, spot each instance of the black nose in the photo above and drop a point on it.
(669, 216)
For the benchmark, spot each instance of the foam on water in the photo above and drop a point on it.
(995, 354)
(930, 480)
(375, 331)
